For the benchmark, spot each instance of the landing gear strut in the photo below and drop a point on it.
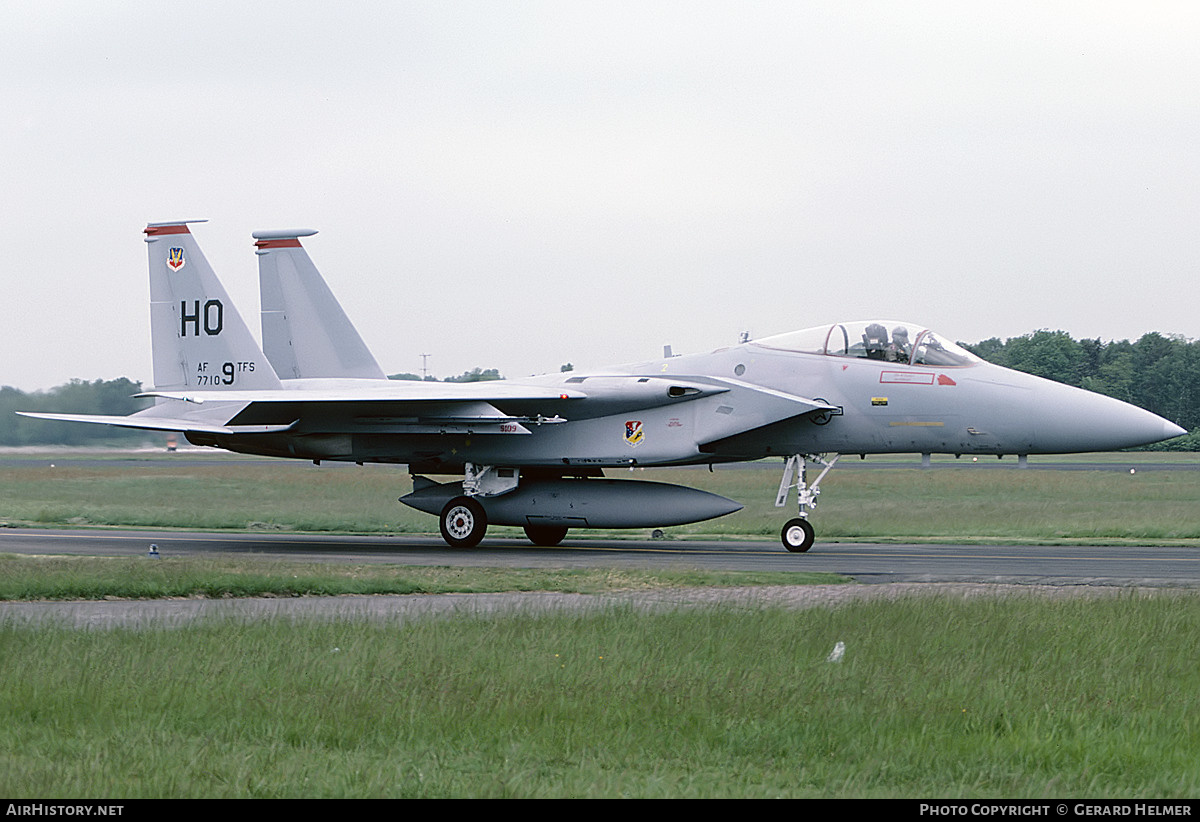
(798, 534)
(463, 521)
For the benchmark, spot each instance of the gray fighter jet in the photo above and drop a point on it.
(532, 452)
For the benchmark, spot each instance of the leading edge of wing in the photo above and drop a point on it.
(393, 391)
(151, 423)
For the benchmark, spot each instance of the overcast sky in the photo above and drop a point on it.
(516, 185)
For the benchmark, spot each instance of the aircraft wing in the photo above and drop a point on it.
(399, 405)
(378, 391)
(268, 418)
(158, 423)
(428, 407)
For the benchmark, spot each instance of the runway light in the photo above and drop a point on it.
(153, 552)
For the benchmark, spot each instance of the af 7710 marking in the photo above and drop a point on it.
(532, 452)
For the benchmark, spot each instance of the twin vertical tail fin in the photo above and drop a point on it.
(306, 334)
(201, 343)
(199, 339)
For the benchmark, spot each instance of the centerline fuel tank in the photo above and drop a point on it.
(582, 503)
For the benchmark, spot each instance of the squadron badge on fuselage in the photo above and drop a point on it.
(634, 433)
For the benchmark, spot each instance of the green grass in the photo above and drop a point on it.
(81, 578)
(1019, 698)
(986, 698)
(966, 502)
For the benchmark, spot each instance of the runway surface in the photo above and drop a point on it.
(864, 563)
(911, 570)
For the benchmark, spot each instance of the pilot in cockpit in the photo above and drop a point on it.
(898, 351)
(875, 342)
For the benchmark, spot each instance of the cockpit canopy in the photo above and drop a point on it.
(883, 340)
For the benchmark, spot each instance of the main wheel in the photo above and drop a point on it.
(463, 522)
(798, 535)
(547, 535)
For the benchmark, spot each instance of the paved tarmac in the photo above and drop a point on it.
(879, 570)
(865, 563)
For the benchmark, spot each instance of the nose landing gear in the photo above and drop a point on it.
(798, 534)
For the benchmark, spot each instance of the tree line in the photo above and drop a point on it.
(75, 397)
(474, 375)
(1158, 372)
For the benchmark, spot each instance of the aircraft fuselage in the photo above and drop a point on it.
(877, 407)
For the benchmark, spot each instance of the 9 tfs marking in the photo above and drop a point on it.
(211, 316)
(229, 370)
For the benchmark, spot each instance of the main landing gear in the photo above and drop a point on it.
(798, 534)
(463, 522)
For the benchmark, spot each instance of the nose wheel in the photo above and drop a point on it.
(798, 534)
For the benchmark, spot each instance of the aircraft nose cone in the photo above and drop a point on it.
(1142, 427)
(1171, 430)
(1112, 424)
(1052, 418)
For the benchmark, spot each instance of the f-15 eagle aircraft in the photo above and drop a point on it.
(532, 452)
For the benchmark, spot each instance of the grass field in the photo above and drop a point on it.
(222, 576)
(965, 502)
(935, 697)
